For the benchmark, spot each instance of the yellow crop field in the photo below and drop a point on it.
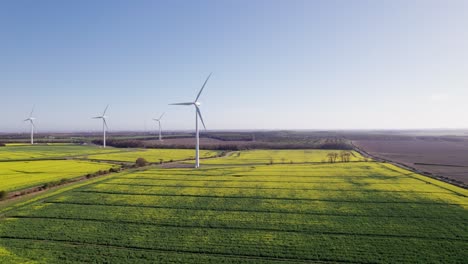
(27, 152)
(153, 155)
(16, 175)
(280, 156)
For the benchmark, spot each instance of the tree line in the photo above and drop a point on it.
(232, 146)
(343, 156)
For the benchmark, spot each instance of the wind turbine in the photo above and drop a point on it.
(197, 114)
(31, 121)
(104, 125)
(159, 123)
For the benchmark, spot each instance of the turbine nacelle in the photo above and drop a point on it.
(159, 119)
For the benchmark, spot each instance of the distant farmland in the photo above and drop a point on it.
(444, 156)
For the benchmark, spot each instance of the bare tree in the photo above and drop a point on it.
(345, 156)
(332, 156)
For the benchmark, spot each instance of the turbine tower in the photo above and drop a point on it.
(31, 121)
(159, 123)
(104, 125)
(197, 114)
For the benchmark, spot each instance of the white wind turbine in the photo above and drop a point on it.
(31, 121)
(197, 114)
(104, 125)
(159, 124)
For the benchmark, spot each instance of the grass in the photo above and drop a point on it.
(365, 212)
(17, 175)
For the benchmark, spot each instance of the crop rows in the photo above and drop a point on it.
(358, 212)
(347, 208)
(17, 175)
(292, 222)
(243, 242)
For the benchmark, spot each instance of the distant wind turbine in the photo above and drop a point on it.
(104, 125)
(31, 121)
(159, 123)
(197, 114)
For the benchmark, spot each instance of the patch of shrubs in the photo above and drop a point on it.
(119, 143)
(2, 144)
(141, 162)
(3, 195)
(101, 172)
(54, 183)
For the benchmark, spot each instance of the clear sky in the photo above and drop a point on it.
(276, 64)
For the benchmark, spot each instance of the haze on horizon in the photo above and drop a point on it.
(276, 64)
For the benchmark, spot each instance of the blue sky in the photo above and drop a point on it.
(276, 64)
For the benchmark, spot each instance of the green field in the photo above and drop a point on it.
(356, 212)
(28, 152)
(153, 155)
(16, 175)
(279, 156)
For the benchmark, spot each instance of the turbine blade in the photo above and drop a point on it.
(105, 110)
(182, 103)
(161, 116)
(32, 111)
(32, 123)
(26, 120)
(96, 117)
(105, 123)
(201, 90)
(201, 118)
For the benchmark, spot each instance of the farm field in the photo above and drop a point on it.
(445, 156)
(153, 155)
(17, 175)
(13, 152)
(356, 212)
(280, 156)
(24, 166)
